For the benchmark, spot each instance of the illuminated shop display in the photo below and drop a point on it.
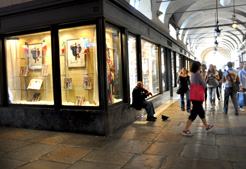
(150, 68)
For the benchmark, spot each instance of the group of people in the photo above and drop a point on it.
(211, 80)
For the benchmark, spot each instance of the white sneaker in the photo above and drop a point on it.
(241, 109)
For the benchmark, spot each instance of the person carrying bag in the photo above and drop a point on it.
(197, 89)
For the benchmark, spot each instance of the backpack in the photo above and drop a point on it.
(212, 81)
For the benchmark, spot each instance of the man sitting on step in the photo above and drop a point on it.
(139, 94)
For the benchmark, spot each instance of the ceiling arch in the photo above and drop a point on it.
(195, 20)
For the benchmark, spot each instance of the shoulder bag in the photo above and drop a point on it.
(235, 85)
(197, 92)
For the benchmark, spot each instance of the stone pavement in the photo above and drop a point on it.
(141, 145)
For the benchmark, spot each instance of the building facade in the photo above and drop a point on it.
(71, 65)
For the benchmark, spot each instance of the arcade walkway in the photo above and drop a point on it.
(141, 145)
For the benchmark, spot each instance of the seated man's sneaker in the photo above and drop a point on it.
(151, 118)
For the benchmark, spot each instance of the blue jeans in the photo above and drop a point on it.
(187, 100)
(212, 91)
(234, 98)
(149, 108)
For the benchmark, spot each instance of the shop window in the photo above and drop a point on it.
(150, 67)
(163, 69)
(29, 69)
(113, 62)
(78, 66)
(173, 71)
(132, 58)
(178, 64)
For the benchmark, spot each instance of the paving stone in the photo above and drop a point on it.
(108, 157)
(29, 152)
(239, 165)
(200, 151)
(224, 140)
(232, 154)
(84, 143)
(131, 146)
(66, 154)
(14, 134)
(165, 149)
(144, 128)
(136, 136)
(188, 163)
(206, 139)
(162, 137)
(238, 130)
(172, 130)
(53, 139)
(10, 163)
(41, 164)
(219, 131)
(9, 145)
(93, 165)
(145, 161)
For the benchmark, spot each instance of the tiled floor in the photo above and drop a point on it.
(141, 145)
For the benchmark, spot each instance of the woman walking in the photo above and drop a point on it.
(197, 109)
(184, 82)
(212, 85)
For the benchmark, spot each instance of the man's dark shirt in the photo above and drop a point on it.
(138, 95)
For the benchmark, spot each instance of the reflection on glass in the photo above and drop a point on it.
(78, 66)
(173, 72)
(29, 69)
(177, 64)
(150, 67)
(132, 57)
(114, 69)
(163, 69)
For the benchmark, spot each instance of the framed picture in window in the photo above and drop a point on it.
(35, 56)
(75, 53)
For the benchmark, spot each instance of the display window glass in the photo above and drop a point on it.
(29, 69)
(163, 69)
(132, 58)
(114, 65)
(78, 66)
(178, 64)
(173, 67)
(150, 68)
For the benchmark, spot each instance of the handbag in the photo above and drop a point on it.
(197, 92)
(241, 99)
(235, 85)
(178, 91)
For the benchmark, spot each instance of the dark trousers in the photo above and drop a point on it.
(149, 108)
(187, 100)
(234, 98)
(218, 93)
(197, 110)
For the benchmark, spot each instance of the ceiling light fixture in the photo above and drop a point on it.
(217, 30)
(216, 43)
(234, 25)
(225, 2)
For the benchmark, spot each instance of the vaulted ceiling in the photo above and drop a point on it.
(195, 21)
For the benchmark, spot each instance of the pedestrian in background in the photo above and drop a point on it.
(184, 82)
(212, 83)
(242, 77)
(229, 77)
